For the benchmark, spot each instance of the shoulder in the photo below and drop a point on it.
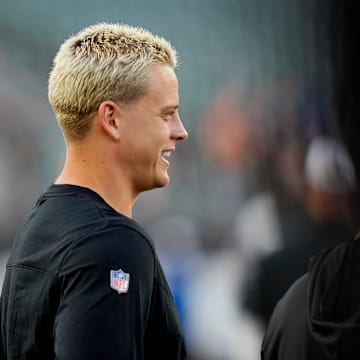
(284, 317)
(288, 324)
(121, 242)
(288, 335)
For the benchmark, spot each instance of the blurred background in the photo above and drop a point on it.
(263, 182)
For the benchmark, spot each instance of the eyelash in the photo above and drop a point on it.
(167, 116)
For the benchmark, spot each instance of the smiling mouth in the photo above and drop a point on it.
(165, 155)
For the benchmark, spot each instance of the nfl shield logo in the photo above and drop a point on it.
(119, 281)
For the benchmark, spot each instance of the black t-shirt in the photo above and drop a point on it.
(84, 282)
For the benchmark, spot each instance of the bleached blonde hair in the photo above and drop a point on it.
(102, 62)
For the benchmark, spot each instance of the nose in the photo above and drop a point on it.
(179, 132)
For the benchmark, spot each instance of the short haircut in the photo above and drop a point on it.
(102, 62)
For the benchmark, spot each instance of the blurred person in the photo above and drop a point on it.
(317, 317)
(329, 183)
(83, 280)
(17, 192)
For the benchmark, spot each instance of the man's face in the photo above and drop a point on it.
(151, 130)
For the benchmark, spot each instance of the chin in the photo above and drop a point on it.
(156, 184)
(162, 181)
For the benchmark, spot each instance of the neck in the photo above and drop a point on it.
(97, 174)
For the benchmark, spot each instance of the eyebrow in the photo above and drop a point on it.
(169, 108)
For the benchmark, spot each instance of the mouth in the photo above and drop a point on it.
(165, 155)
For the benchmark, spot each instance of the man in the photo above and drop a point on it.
(83, 280)
(329, 179)
(302, 333)
(319, 318)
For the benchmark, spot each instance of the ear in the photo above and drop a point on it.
(109, 117)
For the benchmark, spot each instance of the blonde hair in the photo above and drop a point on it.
(102, 62)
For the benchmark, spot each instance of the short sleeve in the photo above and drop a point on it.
(106, 284)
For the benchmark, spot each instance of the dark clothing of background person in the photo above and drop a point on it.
(330, 181)
(57, 286)
(276, 272)
(319, 316)
(330, 294)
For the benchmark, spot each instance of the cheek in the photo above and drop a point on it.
(147, 140)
